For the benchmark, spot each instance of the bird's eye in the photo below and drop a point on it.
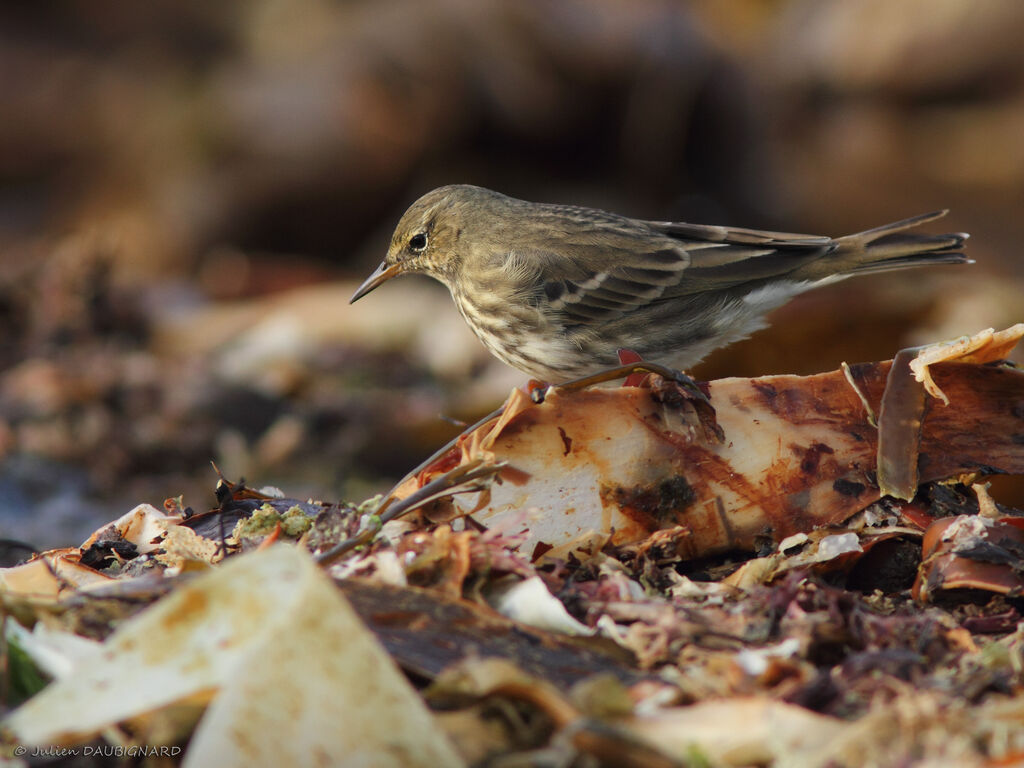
(418, 242)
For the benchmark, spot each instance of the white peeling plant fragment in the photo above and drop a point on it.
(265, 634)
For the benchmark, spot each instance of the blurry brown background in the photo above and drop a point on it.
(189, 190)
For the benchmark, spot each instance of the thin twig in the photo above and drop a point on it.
(439, 453)
(463, 479)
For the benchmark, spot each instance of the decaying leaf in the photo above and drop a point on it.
(427, 632)
(786, 454)
(900, 419)
(972, 552)
(50, 575)
(983, 347)
(740, 732)
(265, 635)
(904, 400)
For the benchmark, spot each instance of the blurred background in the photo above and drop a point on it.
(190, 191)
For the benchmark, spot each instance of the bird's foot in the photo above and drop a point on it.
(631, 366)
(642, 369)
(537, 390)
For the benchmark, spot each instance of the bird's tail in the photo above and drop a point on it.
(892, 247)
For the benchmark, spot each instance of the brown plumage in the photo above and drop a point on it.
(557, 290)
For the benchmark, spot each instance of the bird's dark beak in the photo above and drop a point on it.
(381, 274)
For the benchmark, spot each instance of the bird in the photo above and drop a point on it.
(559, 291)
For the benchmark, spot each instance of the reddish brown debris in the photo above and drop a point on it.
(797, 453)
(972, 552)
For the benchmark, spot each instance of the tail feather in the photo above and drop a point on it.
(891, 247)
(904, 262)
(900, 226)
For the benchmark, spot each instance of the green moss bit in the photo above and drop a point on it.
(295, 522)
(264, 520)
(23, 677)
(370, 505)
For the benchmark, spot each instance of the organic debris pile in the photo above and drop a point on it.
(654, 575)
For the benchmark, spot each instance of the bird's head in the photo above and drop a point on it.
(426, 236)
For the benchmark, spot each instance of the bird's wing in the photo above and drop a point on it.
(584, 290)
(606, 277)
(736, 235)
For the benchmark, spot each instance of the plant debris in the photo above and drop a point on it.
(591, 577)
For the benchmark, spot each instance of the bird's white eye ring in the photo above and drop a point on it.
(418, 243)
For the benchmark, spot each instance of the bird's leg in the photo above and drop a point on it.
(611, 374)
(632, 367)
(627, 357)
(538, 389)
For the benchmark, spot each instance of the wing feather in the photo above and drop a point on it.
(639, 268)
(610, 266)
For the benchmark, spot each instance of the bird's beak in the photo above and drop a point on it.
(381, 274)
